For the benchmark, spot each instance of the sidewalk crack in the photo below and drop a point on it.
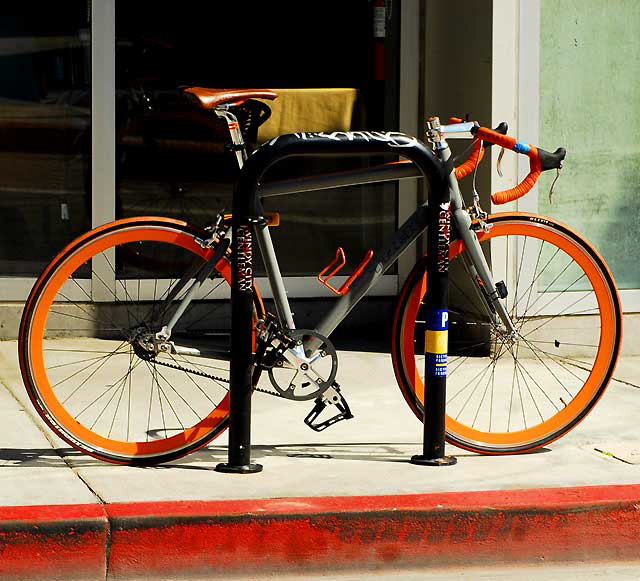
(612, 455)
(623, 382)
(35, 421)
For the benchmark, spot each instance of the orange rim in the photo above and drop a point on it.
(591, 389)
(35, 348)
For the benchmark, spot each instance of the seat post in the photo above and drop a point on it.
(239, 146)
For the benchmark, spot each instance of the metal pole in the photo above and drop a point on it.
(436, 335)
(248, 213)
(240, 378)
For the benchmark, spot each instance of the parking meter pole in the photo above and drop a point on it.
(436, 334)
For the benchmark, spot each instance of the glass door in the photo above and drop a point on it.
(45, 135)
(336, 69)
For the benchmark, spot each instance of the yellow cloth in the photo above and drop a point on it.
(297, 110)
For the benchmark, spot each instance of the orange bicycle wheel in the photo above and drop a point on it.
(87, 343)
(512, 394)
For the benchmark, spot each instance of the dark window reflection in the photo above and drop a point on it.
(44, 131)
(171, 157)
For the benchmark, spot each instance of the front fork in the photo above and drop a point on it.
(480, 273)
(475, 261)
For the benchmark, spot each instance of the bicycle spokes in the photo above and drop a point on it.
(514, 391)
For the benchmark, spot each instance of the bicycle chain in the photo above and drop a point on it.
(215, 378)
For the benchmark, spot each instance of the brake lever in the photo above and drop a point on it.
(502, 127)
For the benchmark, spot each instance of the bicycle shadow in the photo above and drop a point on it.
(203, 459)
(363, 451)
(206, 458)
(352, 451)
(40, 457)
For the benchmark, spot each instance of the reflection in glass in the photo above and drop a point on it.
(173, 158)
(45, 131)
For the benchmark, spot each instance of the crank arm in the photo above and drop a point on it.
(303, 365)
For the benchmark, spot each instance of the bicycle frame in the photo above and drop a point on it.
(383, 259)
(141, 399)
(413, 227)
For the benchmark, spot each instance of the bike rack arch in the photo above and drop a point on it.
(247, 212)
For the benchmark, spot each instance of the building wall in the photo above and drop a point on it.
(590, 104)
(561, 73)
(458, 68)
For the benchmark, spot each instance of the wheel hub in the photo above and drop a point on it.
(143, 344)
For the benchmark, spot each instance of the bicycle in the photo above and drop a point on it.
(147, 380)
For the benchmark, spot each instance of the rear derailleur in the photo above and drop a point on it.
(302, 365)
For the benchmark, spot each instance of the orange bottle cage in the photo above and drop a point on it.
(336, 265)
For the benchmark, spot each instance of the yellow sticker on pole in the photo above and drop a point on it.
(436, 342)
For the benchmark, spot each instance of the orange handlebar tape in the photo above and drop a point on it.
(527, 183)
(535, 168)
(505, 141)
(475, 157)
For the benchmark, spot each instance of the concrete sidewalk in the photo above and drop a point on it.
(354, 463)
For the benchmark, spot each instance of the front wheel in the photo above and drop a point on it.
(89, 351)
(512, 394)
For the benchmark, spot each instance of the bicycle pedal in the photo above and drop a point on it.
(331, 396)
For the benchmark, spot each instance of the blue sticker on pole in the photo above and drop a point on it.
(438, 320)
(436, 343)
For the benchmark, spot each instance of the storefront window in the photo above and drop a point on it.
(336, 69)
(45, 131)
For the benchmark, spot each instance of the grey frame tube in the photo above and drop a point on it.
(378, 173)
(379, 264)
(283, 309)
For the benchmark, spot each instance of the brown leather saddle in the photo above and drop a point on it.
(210, 98)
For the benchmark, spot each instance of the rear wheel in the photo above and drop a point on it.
(514, 394)
(90, 357)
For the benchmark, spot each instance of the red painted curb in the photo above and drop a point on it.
(180, 538)
(60, 541)
(413, 530)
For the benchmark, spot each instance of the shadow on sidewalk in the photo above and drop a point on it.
(39, 457)
(365, 452)
(203, 459)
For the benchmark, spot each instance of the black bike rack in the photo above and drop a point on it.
(247, 212)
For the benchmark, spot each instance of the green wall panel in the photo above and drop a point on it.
(590, 104)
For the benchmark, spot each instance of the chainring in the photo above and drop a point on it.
(301, 378)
